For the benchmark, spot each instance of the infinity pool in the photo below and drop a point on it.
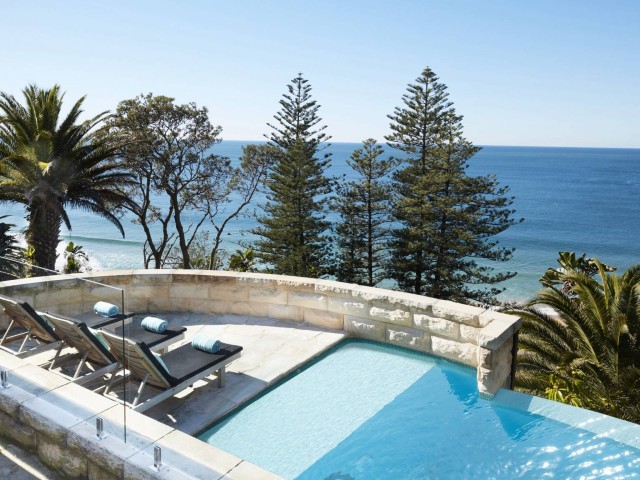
(371, 411)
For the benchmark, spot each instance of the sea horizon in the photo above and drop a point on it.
(381, 142)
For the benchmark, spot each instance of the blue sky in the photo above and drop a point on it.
(556, 73)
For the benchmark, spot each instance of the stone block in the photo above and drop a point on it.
(249, 308)
(457, 312)
(142, 431)
(151, 277)
(485, 357)
(10, 404)
(91, 294)
(160, 303)
(204, 278)
(469, 334)
(285, 312)
(316, 301)
(268, 295)
(194, 457)
(136, 304)
(35, 380)
(106, 457)
(439, 326)
(182, 304)
(230, 293)
(489, 316)
(408, 338)
(323, 318)
(490, 381)
(257, 280)
(188, 290)
(76, 401)
(365, 328)
(381, 296)
(148, 292)
(60, 301)
(41, 416)
(499, 359)
(496, 333)
(21, 434)
(295, 284)
(348, 306)
(332, 288)
(391, 315)
(197, 305)
(459, 352)
(111, 277)
(56, 456)
(95, 471)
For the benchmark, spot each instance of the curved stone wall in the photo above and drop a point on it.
(473, 336)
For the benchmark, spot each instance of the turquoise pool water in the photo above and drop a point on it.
(370, 411)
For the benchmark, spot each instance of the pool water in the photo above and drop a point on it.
(371, 411)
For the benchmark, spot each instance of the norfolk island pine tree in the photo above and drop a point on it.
(447, 219)
(293, 231)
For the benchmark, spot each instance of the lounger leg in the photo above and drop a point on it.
(81, 364)
(58, 352)
(139, 392)
(113, 378)
(221, 377)
(4, 337)
(26, 337)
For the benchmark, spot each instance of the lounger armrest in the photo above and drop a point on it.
(168, 336)
(96, 321)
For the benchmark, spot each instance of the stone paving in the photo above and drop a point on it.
(271, 349)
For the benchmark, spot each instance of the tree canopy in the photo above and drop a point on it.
(580, 340)
(364, 206)
(50, 163)
(293, 230)
(445, 241)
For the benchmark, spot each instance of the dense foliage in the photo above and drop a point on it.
(364, 206)
(293, 230)
(580, 342)
(418, 220)
(447, 219)
(10, 253)
(49, 163)
(167, 147)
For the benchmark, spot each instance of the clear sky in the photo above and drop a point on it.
(522, 72)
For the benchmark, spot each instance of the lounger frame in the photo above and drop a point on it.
(191, 365)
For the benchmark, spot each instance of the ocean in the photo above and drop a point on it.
(585, 200)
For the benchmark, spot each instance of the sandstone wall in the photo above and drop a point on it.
(473, 336)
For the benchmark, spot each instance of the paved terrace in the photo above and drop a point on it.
(281, 322)
(271, 349)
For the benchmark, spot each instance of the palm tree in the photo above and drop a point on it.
(585, 349)
(50, 163)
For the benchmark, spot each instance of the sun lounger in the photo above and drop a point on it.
(21, 314)
(184, 366)
(92, 350)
